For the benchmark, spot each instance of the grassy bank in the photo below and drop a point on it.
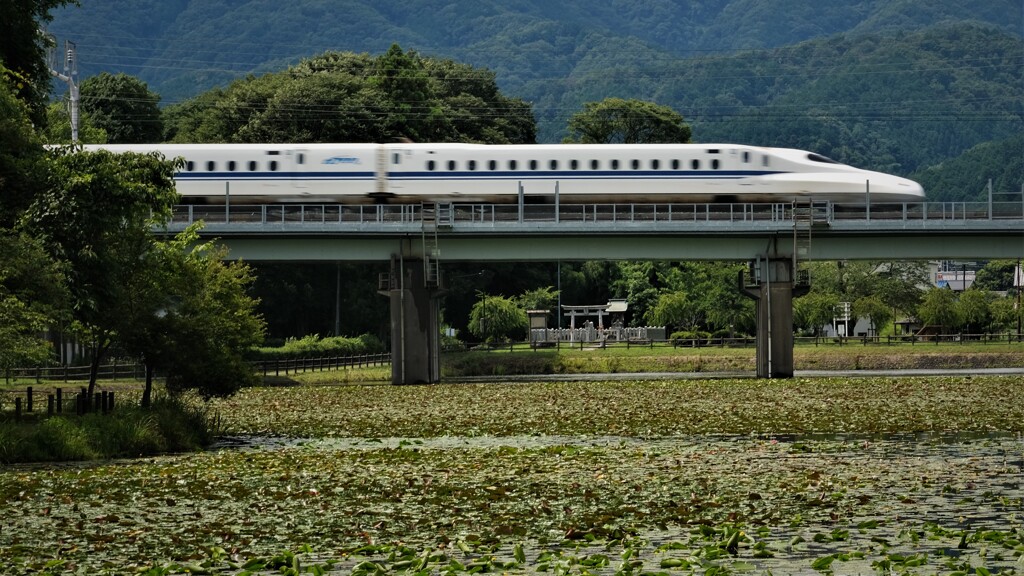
(169, 425)
(662, 358)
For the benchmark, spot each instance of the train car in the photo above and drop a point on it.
(412, 173)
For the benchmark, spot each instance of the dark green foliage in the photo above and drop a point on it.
(21, 156)
(123, 107)
(339, 97)
(618, 121)
(315, 347)
(966, 177)
(210, 324)
(23, 51)
(96, 218)
(297, 299)
(32, 297)
(170, 425)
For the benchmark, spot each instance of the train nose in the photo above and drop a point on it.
(909, 188)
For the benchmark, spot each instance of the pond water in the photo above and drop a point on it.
(935, 502)
(844, 504)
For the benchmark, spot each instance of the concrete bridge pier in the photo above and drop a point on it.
(773, 288)
(415, 329)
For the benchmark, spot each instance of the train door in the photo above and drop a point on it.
(396, 166)
(299, 167)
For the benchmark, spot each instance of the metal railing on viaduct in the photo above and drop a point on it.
(467, 232)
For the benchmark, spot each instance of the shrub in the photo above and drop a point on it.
(312, 346)
(690, 338)
(172, 424)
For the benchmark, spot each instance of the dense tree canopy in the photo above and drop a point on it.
(618, 121)
(344, 97)
(96, 216)
(23, 51)
(21, 157)
(123, 107)
(32, 298)
(211, 319)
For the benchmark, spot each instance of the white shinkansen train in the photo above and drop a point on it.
(604, 173)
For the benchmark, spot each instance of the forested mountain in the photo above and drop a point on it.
(966, 177)
(895, 85)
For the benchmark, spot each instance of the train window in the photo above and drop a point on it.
(301, 158)
(819, 158)
(471, 164)
(615, 164)
(211, 166)
(273, 165)
(231, 165)
(574, 164)
(713, 150)
(396, 158)
(190, 166)
(451, 165)
(635, 164)
(595, 164)
(675, 164)
(764, 160)
(553, 165)
(746, 157)
(655, 164)
(714, 164)
(252, 166)
(533, 164)
(695, 164)
(431, 165)
(492, 165)
(512, 164)
(273, 152)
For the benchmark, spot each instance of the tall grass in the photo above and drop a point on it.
(171, 424)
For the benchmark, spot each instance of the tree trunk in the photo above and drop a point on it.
(94, 370)
(98, 352)
(147, 393)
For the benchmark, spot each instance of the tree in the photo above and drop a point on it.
(1006, 315)
(497, 318)
(545, 298)
(32, 297)
(814, 311)
(345, 97)
(872, 308)
(938, 308)
(210, 322)
(21, 156)
(900, 286)
(58, 127)
(618, 121)
(673, 309)
(123, 107)
(23, 51)
(996, 275)
(973, 309)
(96, 216)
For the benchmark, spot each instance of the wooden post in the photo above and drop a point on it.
(17, 408)
(97, 399)
(28, 399)
(49, 404)
(60, 401)
(110, 401)
(103, 401)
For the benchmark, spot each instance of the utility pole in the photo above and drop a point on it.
(70, 76)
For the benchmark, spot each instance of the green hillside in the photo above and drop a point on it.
(966, 177)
